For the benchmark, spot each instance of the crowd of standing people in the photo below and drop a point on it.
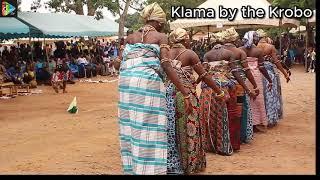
(165, 127)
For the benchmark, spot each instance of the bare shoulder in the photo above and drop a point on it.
(209, 53)
(163, 39)
(191, 53)
(271, 46)
(242, 53)
(258, 50)
(131, 38)
(227, 51)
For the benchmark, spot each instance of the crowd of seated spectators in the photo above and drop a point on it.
(23, 64)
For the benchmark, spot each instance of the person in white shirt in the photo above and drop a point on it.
(313, 59)
(82, 60)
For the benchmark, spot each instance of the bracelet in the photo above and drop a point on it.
(244, 61)
(220, 95)
(165, 60)
(118, 60)
(249, 92)
(187, 97)
(198, 64)
(166, 46)
(203, 75)
(277, 61)
(235, 70)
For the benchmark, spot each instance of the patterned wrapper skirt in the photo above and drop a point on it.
(174, 162)
(258, 106)
(142, 112)
(273, 99)
(246, 121)
(214, 117)
(189, 136)
(246, 130)
(234, 113)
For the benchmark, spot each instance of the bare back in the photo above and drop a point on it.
(153, 37)
(218, 55)
(267, 49)
(186, 57)
(238, 53)
(252, 52)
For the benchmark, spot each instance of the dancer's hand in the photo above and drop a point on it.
(252, 95)
(288, 79)
(257, 91)
(225, 97)
(270, 86)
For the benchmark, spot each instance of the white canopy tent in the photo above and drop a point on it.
(210, 24)
(298, 29)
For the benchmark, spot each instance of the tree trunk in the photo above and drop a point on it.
(91, 8)
(122, 19)
(79, 7)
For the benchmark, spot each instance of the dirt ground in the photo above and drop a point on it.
(38, 136)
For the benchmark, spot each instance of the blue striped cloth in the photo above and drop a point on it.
(142, 111)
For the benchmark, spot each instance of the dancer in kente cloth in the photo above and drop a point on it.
(189, 130)
(243, 99)
(142, 104)
(222, 64)
(273, 98)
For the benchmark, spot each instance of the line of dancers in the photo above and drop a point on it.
(165, 127)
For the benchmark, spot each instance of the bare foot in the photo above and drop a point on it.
(56, 89)
(260, 128)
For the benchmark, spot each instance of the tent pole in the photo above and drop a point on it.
(306, 49)
(44, 46)
(208, 33)
(30, 46)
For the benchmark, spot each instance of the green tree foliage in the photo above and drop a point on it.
(303, 4)
(311, 4)
(133, 21)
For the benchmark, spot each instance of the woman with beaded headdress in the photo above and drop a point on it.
(223, 119)
(142, 105)
(189, 131)
(273, 98)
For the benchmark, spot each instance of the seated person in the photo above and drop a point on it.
(42, 73)
(29, 77)
(106, 61)
(97, 67)
(3, 74)
(15, 74)
(84, 66)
